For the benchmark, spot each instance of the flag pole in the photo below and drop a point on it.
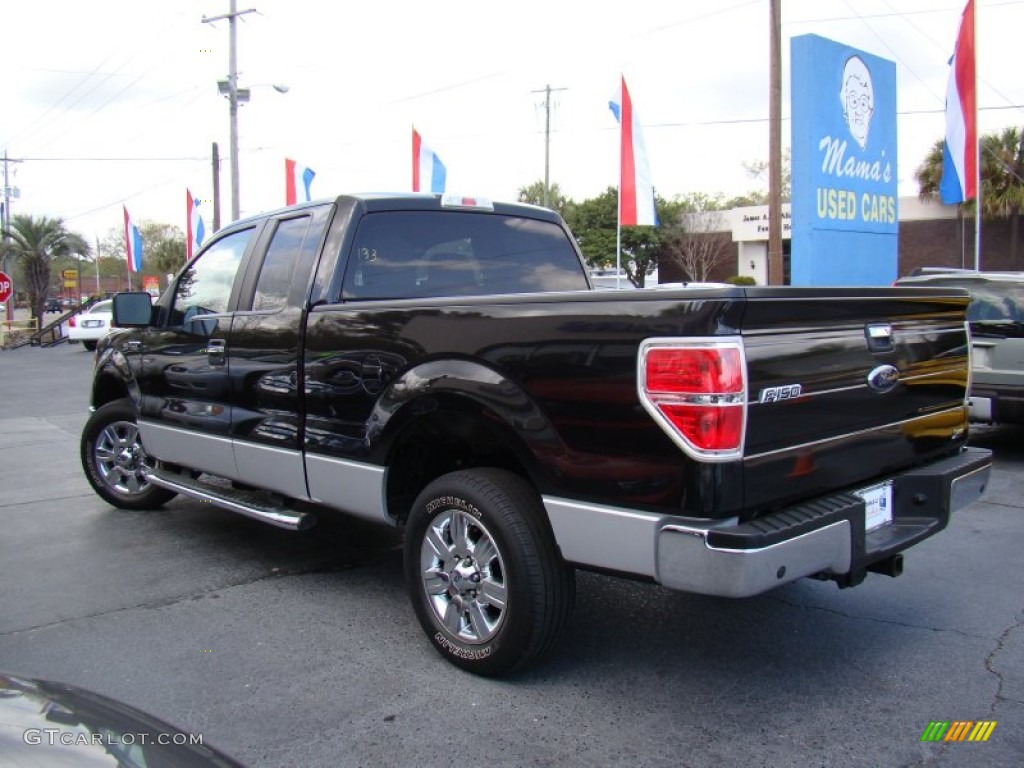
(618, 235)
(977, 147)
(618, 199)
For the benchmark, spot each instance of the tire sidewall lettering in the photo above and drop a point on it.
(467, 653)
(453, 502)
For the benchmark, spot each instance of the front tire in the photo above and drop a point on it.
(115, 461)
(485, 578)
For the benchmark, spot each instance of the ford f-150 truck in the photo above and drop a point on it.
(443, 365)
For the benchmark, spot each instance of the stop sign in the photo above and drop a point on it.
(6, 287)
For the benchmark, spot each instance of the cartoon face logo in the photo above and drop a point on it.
(857, 95)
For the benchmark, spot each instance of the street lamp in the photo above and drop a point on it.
(237, 96)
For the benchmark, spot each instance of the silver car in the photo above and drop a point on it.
(996, 315)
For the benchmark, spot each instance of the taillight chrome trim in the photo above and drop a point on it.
(650, 401)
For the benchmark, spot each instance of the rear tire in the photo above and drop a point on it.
(89, 345)
(115, 461)
(485, 578)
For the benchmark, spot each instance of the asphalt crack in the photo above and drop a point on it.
(990, 665)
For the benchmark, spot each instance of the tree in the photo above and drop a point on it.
(929, 172)
(758, 170)
(167, 249)
(36, 244)
(593, 222)
(1002, 180)
(696, 243)
(534, 195)
(163, 250)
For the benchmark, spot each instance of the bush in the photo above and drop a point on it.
(741, 280)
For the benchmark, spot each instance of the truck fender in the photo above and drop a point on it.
(115, 378)
(421, 388)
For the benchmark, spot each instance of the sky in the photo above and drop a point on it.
(115, 102)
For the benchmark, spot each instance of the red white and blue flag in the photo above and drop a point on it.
(960, 151)
(196, 226)
(132, 243)
(428, 172)
(636, 190)
(297, 180)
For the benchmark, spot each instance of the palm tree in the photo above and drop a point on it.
(929, 173)
(1002, 187)
(36, 243)
(1002, 180)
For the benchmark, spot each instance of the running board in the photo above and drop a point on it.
(254, 504)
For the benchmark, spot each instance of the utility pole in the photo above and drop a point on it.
(216, 187)
(546, 90)
(235, 95)
(6, 222)
(98, 293)
(776, 270)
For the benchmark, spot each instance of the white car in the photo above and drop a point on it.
(92, 324)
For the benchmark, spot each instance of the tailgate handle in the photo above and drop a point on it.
(879, 336)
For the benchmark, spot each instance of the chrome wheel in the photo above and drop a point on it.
(463, 576)
(120, 458)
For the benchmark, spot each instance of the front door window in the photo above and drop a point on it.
(205, 287)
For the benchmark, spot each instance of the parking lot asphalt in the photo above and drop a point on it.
(300, 649)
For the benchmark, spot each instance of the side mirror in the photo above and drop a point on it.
(133, 309)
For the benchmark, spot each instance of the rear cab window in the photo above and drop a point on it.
(419, 254)
(992, 300)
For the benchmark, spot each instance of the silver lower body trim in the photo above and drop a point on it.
(276, 469)
(189, 448)
(348, 486)
(604, 536)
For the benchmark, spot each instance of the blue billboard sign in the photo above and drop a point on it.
(844, 186)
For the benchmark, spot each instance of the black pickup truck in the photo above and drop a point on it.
(443, 365)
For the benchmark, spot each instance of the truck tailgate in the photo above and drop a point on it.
(848, 388)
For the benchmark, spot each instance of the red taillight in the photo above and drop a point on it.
(696, 390)
(71, 321)
(707, 427)
(694, 371)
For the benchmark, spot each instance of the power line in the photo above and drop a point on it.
(184, 158)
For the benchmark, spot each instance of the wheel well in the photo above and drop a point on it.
(106, 389)
(443, 442)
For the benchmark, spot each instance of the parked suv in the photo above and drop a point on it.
(996, 315)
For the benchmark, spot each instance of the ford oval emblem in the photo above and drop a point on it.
(884, 378)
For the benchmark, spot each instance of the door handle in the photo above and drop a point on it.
(215, 351)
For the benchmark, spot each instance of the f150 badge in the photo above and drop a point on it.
(777, 394)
